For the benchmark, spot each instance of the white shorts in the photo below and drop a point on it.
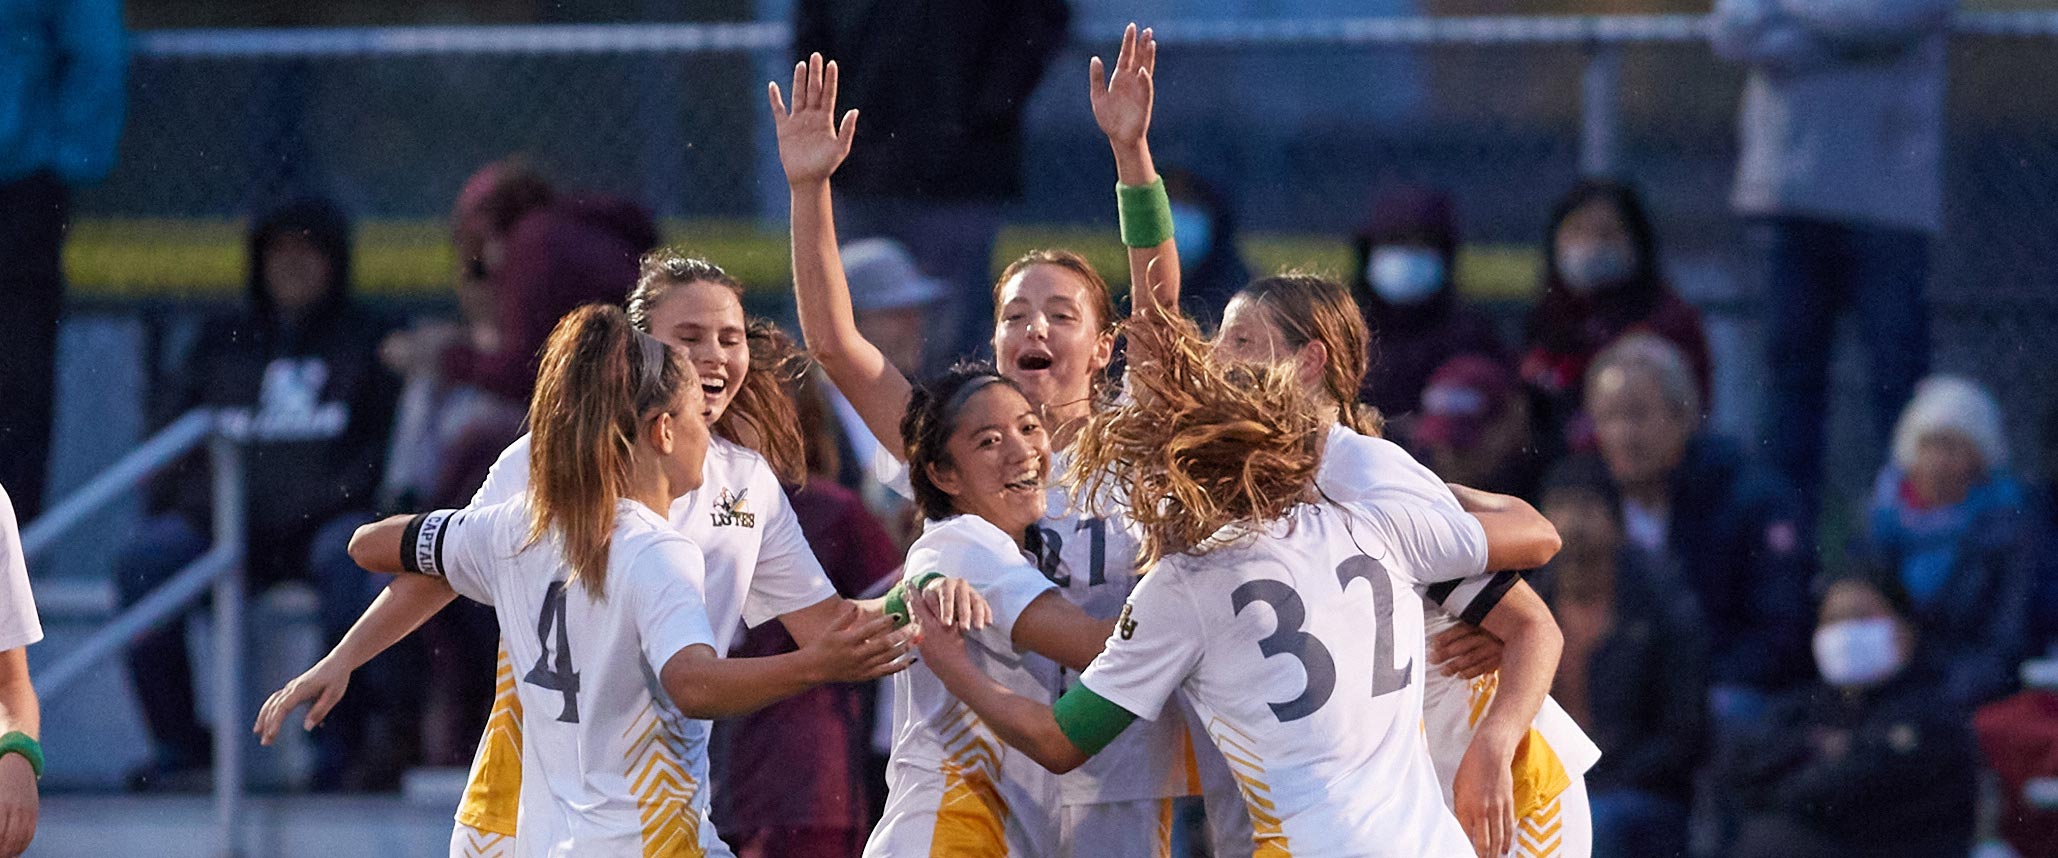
(469, 842)
(1562, 828)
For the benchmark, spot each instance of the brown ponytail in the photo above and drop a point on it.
(1308, 308)
(762, 416)
(599, 379)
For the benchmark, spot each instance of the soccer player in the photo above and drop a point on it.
(1054, 337)
(21, 754)
(597, 590)
(1275, 614)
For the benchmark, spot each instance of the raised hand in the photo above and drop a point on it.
(1122, 101)
(811, 143)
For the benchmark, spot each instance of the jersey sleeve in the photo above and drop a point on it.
(669, 600)
(1156, 644)
(507, 479)
(788, 576)
(991, 565)
(454, 545)
(19, 625)
(1431, 544)
(1471, 598)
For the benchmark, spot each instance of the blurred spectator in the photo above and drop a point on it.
(1840, 175)
(1475, 428)
(1730, 528)
(942, 86)
(1634, 672)
(294, 374)
(1949, 520)
(1870, 762)
(2018, 742)
(1602, 279)
(541, 254)
(1211, 268)
(892, 299)
(21, 718)
(61, 104)
(1407, 256)
(795, 779)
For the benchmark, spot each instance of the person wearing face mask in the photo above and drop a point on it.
(1873, 760)
(1406, 256)
(1211, 268)
(1601, 280)
(1951, 522)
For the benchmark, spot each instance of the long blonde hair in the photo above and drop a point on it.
(599, 379)
(1201, 444)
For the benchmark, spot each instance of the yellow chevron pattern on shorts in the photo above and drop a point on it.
(493, 794)
(971, 821)
(664, 788)
(1540, 834)
(473, 843)
(1249, 770)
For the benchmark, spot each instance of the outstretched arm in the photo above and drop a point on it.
(811, 146)
(1122, 102)
(858, 648)
(1517, 536)
(1029, 725)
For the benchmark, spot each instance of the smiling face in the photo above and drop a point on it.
(1048, 337)
(706, 320)
(996, 460)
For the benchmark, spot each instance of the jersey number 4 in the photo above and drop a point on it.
(1316, 662)
(563, 678)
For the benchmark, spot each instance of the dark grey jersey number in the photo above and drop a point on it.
(563, 679)
(1051, 546)
(1288, 639)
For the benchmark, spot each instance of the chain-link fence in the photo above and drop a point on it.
(1299, 122)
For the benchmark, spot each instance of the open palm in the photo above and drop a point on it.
(811, 144)
(1122, 100)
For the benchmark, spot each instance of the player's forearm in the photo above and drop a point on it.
(19, 709)
(1027, 725)
(1531, 645)
(1517, 536)
(1058, 630)
(704, 685)
(828, 323)
(405, 604)
(1154, 270)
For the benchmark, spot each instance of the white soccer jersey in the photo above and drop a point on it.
(19, 625)
(1303, 661)
(1357, 467)
(609, 765)
(954, 788)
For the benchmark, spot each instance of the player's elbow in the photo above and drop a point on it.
(685, 681)
(1060, 756)
(1545, 543)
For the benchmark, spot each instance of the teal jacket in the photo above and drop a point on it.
(61, 87)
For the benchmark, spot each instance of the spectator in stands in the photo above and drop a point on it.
(1602, 279)
(1872, 761)
(892, 299)
(1475, 428)
(21, 719)
(541, 253)
(943, 86)
(1634, 673)
(1694, 498)
(61, 104)
(295, 375)
(794, 779)
(1950, 521)
(1404, 280)
(1211, 266)
(1841, 179)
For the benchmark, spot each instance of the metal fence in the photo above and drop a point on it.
(1299, 121)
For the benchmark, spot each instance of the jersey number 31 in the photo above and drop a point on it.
(1320, 666)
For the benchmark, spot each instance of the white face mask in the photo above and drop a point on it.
(1405, 275)
(1588, 268)
(1854, 653)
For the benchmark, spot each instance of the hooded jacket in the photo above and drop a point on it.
(1410, 342)
(308, 395)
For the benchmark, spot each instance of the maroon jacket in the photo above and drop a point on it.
(576, 251)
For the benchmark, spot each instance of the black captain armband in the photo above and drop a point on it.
(421, 544)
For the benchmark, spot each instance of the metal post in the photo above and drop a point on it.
(228, 644)
(1600, 117)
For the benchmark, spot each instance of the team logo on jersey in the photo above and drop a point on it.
(733, 510)
(1125, 626)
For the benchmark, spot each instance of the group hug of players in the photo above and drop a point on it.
(1206, 577)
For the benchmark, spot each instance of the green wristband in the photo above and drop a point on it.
(1146, 213)
(896, 603)
(26, 745)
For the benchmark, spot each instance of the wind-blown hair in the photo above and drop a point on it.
(1201, 445)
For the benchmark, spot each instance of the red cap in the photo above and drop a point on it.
(1463, 397)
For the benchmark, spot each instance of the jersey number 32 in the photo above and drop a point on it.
(1288, 639)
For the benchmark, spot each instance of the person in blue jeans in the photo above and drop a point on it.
(294, 376)
(1840, 180)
